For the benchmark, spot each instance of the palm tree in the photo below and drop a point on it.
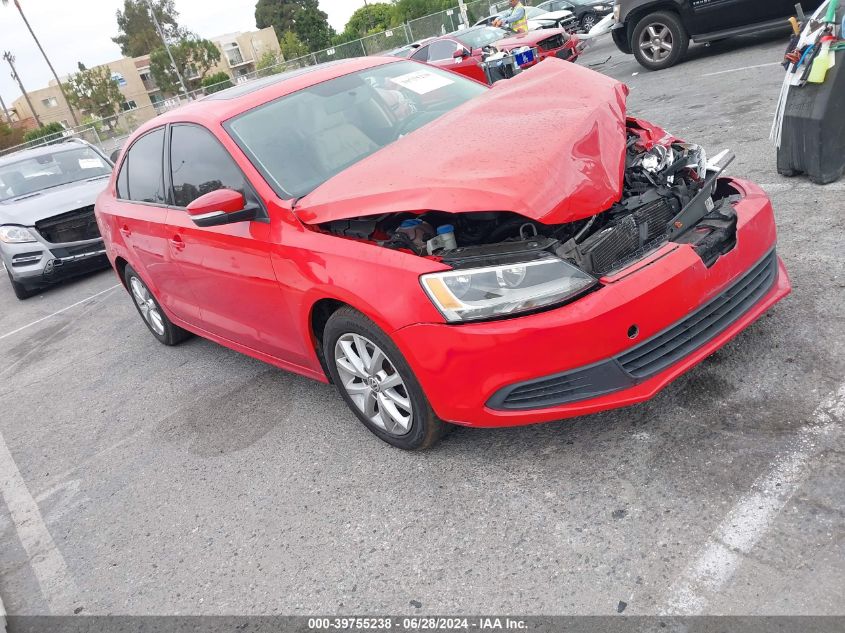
(46, 59)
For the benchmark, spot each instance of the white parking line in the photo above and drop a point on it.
(736, 70)
(57, 312)
(48, 565)
(750, 519)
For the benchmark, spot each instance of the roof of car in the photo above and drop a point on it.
(43, 150)
(221, 106)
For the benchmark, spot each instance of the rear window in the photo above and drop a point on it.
(299, 141)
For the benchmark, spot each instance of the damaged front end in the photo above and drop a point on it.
(504, 263)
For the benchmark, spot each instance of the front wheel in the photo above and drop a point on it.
(376, 382)
(588, 21)
(659, 40)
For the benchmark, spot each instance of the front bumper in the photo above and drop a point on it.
(468, 370)
(41, 263)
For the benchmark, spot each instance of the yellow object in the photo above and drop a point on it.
(520, 26)
(796, 28)
(821, 64)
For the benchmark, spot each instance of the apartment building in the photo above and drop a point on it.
(143, 99)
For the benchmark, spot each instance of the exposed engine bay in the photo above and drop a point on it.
(669, 194)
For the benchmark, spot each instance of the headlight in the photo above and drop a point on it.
(15, 235)
(495, 291)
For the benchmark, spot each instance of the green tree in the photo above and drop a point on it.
(292, 47)
(10, 136)
(302, 17)
(216, 82)
(268, 64)
(137, 34)
(372, 18)
(94, 91)
(54, 129)
(193, 57)
(404, 10)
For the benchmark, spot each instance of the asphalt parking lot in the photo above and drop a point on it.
(140, 479)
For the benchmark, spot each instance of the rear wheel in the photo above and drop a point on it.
(21, 291)
(376, 382)
(148, 307)
(659, 40)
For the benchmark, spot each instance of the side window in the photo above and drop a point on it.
(444, 49)
(199, 164)
(140, 178)
(421, 55)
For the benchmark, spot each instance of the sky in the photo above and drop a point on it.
(71, 32)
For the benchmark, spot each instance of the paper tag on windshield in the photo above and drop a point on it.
(89, 163)
(422, 81)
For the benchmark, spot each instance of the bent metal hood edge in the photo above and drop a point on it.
(548, 144)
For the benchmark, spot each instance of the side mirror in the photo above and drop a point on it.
(223, 206)
(115, 155)
(460, 53)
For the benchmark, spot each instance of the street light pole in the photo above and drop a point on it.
(10, 59)
(463, 8)
(167, 47)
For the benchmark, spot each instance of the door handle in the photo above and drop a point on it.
(177, 242)
(124, 231)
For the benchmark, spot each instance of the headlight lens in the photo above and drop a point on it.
(495, 291)
(15, 235)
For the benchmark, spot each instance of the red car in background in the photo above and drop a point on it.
(433, 271)
(463, 51)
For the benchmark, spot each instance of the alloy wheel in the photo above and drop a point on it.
(588, 23)
(656, 42)
(147, 305)
(373, 383)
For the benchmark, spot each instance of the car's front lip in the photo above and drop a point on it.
(462, 367)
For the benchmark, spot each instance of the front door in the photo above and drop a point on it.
(227, 268)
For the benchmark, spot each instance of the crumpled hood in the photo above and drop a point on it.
(531, 38)
(49, 202)
(548, 144)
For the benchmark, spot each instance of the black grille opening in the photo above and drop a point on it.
(650, 357)
(73, 226)
(551, 43)
(684, 337)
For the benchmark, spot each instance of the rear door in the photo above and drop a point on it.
(140, 215)
(227, 268)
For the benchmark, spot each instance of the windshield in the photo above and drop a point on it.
(534, 12)
(299, 141)
(479, 38)
(61, 167)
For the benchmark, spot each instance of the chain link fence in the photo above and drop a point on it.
(111, 134)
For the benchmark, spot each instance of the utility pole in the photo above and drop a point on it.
(49, 64)
(463, 8)
(167, 46)
(10, 59)
(5, 111)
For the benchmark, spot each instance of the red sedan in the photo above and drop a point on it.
(463, 51)
(358, 223)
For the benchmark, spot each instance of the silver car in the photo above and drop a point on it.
(47, 227)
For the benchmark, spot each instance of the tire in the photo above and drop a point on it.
(362, 385)
(655, 32)
(21, 291)
(588, 21)
(150, 311)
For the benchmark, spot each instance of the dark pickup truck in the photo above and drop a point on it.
(658, 32)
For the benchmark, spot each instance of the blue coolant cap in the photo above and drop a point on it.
(409, 224)
(445, 228)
